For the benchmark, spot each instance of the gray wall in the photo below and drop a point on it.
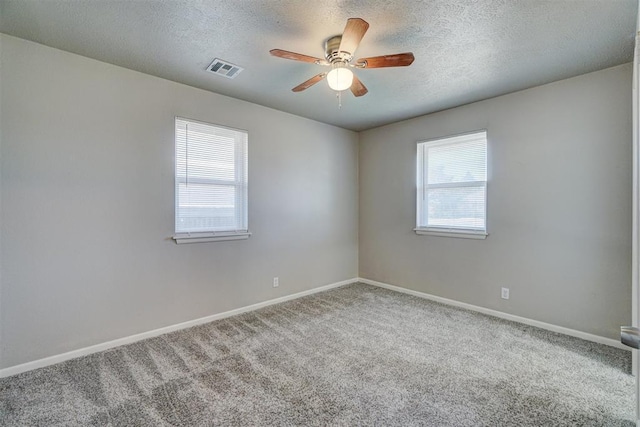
(88, 205)
(559, 205)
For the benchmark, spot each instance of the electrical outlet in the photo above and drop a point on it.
(505, 293)
(276, 282)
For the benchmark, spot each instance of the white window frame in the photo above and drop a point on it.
(422, 187)
(240, 183)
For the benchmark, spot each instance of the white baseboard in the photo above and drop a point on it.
(52, 360)
(548, 326)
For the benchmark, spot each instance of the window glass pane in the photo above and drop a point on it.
(461, 207)
(204, 207)
(209, 156)
(459, 162)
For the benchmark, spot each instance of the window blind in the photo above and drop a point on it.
(211, 178)
(452, 183)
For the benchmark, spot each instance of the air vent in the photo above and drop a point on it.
(224, 68)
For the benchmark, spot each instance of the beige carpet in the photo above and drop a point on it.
(356, 355)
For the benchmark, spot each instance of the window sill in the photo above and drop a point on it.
(210, 237)
(448, 232)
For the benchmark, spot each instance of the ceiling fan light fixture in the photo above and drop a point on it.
(340, 78)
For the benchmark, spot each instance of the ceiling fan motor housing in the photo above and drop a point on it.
(333, 53)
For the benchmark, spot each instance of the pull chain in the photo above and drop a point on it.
(186, 155)
(339, 96)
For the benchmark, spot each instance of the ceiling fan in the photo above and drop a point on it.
(339, 52)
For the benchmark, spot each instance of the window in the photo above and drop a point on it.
(211, 183)
(452, 186)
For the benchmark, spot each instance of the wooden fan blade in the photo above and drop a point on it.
(294, 56)
(352, 34)
(306, 85)
(357, 88)
(397, 60)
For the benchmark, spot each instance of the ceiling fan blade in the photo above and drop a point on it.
(397, 60)
(352, 34)
(357, 88)
(295, 56)
(306, 85)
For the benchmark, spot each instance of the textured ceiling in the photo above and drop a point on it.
(466, 50)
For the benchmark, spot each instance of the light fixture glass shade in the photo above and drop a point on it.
(340, 78)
